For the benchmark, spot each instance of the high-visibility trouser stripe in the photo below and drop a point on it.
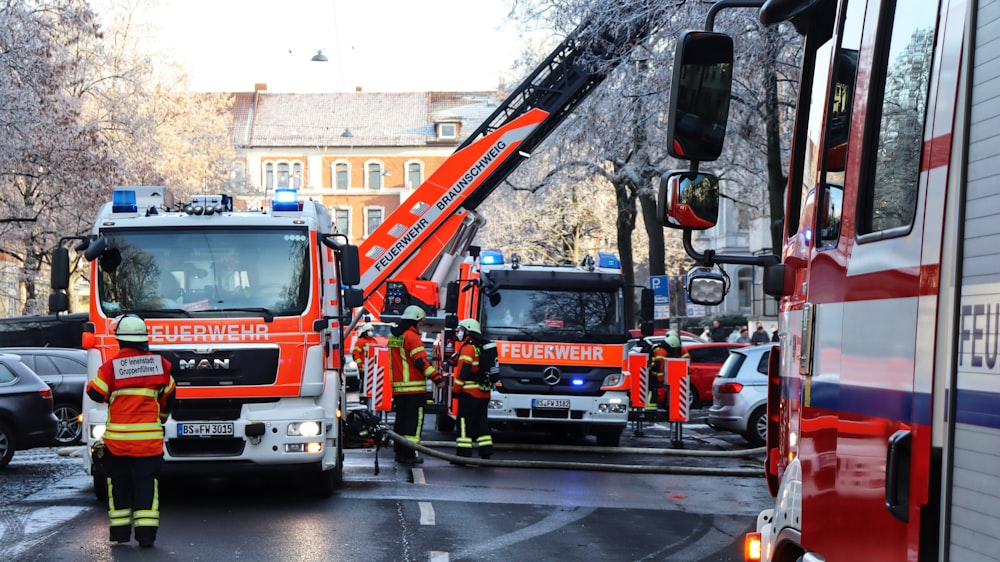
(118, 517)
(409, 386)
(133, 436)
(420, 423)
(150, 517)
(462, 441)
(484, 440)
(470, 385)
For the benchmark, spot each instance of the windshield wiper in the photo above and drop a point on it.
(165, 311)
(268, 315)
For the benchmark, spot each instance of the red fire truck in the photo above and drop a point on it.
(883, 428)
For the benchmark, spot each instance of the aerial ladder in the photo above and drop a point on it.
(414, 251)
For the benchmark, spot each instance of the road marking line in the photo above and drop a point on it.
(437, 556)
(426, 513)
(418, 476)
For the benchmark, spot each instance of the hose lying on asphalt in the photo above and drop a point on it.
(602, 467)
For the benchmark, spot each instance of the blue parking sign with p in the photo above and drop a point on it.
(661, 296)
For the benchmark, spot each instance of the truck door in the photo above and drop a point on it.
(872, 259)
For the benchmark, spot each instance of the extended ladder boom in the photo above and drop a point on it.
(413, 239)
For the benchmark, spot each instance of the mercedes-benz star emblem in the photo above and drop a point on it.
(551, 376)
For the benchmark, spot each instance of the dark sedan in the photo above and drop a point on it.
(26, 418)
(65, 371)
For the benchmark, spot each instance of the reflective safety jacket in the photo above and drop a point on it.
(360, 349)
(409, 367)
(467, 372)
(658, 363)
(139, 391)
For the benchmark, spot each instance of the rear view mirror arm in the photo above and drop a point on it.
(709, 258)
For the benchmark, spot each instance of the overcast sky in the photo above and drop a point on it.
(379, 45)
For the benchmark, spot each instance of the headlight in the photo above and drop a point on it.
(612, 408)
(614, 379)
(97, 431)
(304, 429)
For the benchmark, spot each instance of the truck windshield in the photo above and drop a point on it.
(205, 272)
(554, 313)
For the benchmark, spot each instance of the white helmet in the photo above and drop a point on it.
(471, 325)
(414, 312)
(132, 328)
(673, 340)
(366, 327)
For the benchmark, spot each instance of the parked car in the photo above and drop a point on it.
(65, 371)
(706, 360)
(26, 418)
(740, 391)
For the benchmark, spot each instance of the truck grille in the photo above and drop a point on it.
(229, 367)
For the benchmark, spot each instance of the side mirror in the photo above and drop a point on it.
(699, 95)
(350, 265)
(353, 298)
(60, 269)
(706, 287)
(95, 249)
(688, 200)
(451, 298)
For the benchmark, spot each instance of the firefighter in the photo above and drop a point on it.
(472, 386)
(670, 348)
(409, 370)
(362, 347)
(139, 391)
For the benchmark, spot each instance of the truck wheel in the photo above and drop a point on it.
(7, 445)
(608, 436)
(756, 433)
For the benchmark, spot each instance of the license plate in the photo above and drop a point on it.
(550, 403)
(204, 430)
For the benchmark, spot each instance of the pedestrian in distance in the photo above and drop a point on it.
(409, 371)
(472, 386)
(137, 386)
(744, 336)
(734, 336)
(718, 332)
(759, 336)
(774, 332)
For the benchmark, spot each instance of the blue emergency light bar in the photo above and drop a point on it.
(123, 201)
(491, 257)
(285, 200)
(606, 259)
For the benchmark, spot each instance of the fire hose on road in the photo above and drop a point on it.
(605, 467)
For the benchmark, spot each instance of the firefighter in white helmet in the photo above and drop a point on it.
(363, 345)
(472, 386)
(409, 370)
(139, 391)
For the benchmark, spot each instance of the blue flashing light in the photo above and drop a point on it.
(285, 200)
(577, 382)
(123, 201)
(491, 257)
(606, 259)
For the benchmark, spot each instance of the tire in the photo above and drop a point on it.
(608, 436)
(7, 444)
(70, 429)
(756, 433)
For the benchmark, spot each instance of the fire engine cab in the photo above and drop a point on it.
(883, 438)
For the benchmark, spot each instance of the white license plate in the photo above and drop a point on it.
(204, 430)
(550, 403)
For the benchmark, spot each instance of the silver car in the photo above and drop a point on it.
(739, 392)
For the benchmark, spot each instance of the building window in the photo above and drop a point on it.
(297, 175)
(284, 173)
(745, 288)
(373, 177)
(341, 175)
(342, 220)
(447, 130)
(414, 174)
(373, 219)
